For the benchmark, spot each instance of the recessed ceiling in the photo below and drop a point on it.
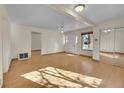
(40, 15)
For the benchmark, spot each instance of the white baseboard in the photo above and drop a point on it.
(52, 52)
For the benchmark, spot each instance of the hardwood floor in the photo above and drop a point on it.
(110, 75)
(116, 59)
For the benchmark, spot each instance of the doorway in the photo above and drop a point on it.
(36, 42)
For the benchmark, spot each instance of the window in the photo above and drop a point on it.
(87, 41)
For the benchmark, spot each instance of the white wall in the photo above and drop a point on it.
(5, 57)
(108, 39)
(6, 46)
(78, 45)
(20, 40)
(96, 44)
(35, 41)
(52, 42)
(1, 57)
(6, 41)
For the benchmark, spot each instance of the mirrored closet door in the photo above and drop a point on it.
(119, 47)
(112, 46)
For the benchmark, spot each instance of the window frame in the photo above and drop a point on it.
(84, 33)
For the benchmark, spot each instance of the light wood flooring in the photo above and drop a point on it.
(115, 59)
(110, 75)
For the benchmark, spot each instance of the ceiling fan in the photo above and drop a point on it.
(61, 28)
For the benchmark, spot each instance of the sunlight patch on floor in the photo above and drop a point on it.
(109, 55)
(54, 77)
(69, 54)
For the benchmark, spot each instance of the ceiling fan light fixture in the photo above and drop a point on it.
(79, 7)
(61, 28)
(107, 30)
(62, 31)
